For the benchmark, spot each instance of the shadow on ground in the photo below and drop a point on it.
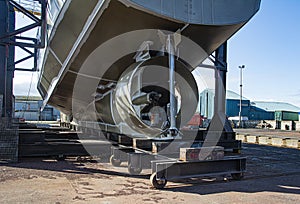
(269, 169)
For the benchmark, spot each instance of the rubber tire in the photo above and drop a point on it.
(61, 157)
(134, 171)
(157, 184)
(115, 162)
(237, 176)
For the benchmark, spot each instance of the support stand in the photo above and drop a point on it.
(173, 131)
(7, 53)
(9, 38)
(219, 121)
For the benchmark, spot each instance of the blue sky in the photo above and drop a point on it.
(269, 47)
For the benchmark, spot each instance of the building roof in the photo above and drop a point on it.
(229, 94)
(275, 106)
(234, 96)
(30, 98)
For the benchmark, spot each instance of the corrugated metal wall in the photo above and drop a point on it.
(206, 106)
(260, 114)
(206, 103)
(30, 111)
(233, 107)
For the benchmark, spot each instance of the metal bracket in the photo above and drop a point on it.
(142, 53)
(220, 65)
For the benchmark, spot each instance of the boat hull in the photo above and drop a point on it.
(99, 43)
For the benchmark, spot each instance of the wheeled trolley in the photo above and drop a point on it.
(168, 167)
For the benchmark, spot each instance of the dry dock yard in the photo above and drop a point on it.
(273, 176)
(102, 65)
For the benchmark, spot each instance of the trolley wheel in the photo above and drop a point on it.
(134, 171)
(237, 151)
(237, 176)
(158, 184)
(60, 157)
(79, 159)
(115, 162)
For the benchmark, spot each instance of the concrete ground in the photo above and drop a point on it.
(273, 177)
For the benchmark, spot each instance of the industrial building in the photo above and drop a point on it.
(252, 110)
(232, 104)
(28, 108)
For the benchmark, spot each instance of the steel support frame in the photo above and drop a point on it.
(11, 38)
(135, 159)
(172, 170)
(120, 153)
(7, 53)
(219, 120)
(171, 49)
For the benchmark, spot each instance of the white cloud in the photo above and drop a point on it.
(22, 81)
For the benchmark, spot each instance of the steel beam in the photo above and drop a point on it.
(173, 108)
(219, 121)
(9, 39)
(24, 11)
(172, 170)
(7, 24)
(221, 65)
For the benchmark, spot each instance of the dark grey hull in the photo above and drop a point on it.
(86, 31)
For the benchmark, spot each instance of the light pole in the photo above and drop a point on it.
(241, 67)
